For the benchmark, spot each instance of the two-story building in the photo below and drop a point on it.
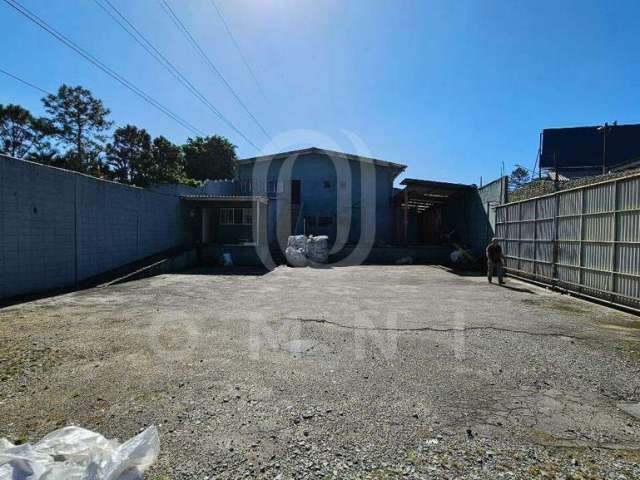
(323, 192)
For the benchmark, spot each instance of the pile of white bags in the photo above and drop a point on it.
(302, 251)
(318, 249)
(73, 453)
(296, 251)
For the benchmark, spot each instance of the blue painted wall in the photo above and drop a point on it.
(320, 188)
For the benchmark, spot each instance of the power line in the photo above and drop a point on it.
(185, 31)
(135, 33)
(237, 45)
(93, 60)
(29, 84)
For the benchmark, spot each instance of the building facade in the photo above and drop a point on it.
(313, 191)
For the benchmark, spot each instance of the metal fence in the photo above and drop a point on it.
(585, 239)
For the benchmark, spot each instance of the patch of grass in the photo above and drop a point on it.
(15, 359)
(568, 307)
(620, 321)
(563, 306)
(413, 458)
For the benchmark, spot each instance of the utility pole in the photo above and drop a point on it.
(604, 148)
(604, 129)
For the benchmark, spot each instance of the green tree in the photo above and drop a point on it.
(164, 165)
(129, 154)
(20, 132)
(209, 158)
(80, 122)
(519, 177)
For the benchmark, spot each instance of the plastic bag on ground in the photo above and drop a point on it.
(74, 453)
(318, 249)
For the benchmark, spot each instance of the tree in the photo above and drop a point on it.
(519, 177)
(209, 158)
(129, 154)
(20, 132)
(168, 161)
(80, 122)
(164, 165)
(46, 154)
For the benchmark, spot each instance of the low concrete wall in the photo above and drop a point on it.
(59, 227)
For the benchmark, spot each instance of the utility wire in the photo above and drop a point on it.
(237, 45)
(93, 60)
(29, 84)
(185, 31)
(135, 33)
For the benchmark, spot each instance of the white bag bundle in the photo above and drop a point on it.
(298, 242)
(73, 453)
(318, 249)
(296, 251)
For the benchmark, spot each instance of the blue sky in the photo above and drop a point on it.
(452, 89)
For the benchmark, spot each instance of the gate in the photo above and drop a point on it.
(586, 239)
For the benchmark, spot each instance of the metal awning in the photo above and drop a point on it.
(424, 194)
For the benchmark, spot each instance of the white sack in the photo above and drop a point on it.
(296, 251)
(73, 453)
(295, 257)
(297, 242)
(318, 249)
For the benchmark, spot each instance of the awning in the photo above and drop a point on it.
(424, 194)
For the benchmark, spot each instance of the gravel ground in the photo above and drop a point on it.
(354, 372)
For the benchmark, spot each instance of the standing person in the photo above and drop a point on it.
(495, 259)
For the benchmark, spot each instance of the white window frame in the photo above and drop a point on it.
(225, 215)
(228, 216)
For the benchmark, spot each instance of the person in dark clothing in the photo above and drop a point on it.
(495, 260)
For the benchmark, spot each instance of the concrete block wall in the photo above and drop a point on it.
(58, 227)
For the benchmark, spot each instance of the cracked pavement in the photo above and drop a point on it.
(353, 372)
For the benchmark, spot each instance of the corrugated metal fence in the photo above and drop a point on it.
(586, 239)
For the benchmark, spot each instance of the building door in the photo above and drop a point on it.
(295, 192)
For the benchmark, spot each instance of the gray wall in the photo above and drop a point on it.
(59, 227)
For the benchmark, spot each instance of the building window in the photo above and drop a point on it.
(246, 186)
(226, 216)
(247, 216)
(325, 221)
(326, 183)
(274, 186)
(236, 216)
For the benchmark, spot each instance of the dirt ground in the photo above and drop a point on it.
(354, 372)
